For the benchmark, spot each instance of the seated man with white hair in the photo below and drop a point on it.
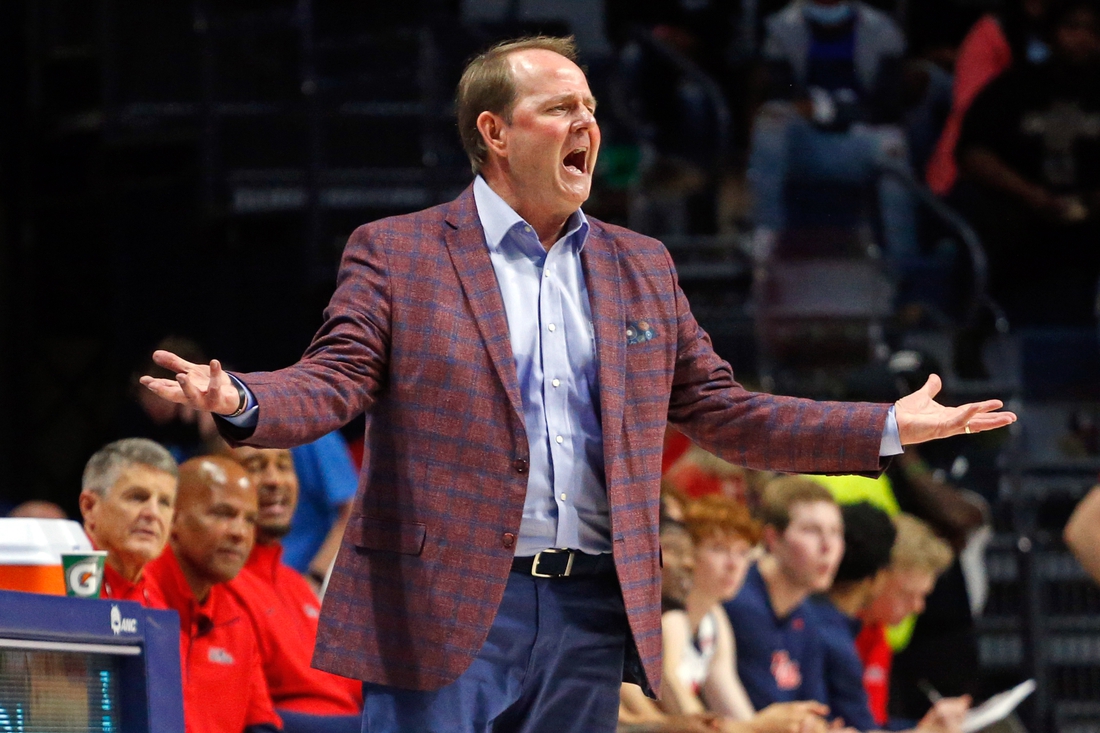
(127, 498)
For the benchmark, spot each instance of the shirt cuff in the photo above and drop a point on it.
(891, 437)
(251, 414)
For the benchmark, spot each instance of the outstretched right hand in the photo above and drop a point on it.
(206, 388)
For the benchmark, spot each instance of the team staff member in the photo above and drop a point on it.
(698, 641)
(284, 609)
(638, 713)
(779, 657)
(223, 681)
(518, 362)
(869, 538)
(917, 560)
(127, 495)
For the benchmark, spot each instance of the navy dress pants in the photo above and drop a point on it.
(552, 663)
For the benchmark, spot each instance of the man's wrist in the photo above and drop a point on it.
(247, 413)
(242, 396)
(890, 445)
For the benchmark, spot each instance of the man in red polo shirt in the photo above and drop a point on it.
(223, 682)
(284, 609)
(127, 496)
(917, 559)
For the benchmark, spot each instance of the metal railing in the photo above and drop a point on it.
(980, 299)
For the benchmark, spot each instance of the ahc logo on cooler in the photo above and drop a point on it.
(120, 624)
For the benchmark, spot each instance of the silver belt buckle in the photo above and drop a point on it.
(554, 551)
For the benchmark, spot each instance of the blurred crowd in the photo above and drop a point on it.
(994, 107)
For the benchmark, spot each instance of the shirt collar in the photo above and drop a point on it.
(115, 585)
(498, 218)
(756, 578)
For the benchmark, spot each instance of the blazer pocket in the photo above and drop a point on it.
(406, 538)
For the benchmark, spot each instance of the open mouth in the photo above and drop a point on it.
(577, 161)
(275, 507)
(273, 498)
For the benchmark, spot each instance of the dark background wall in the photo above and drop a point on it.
(193, 168)
(12, 100)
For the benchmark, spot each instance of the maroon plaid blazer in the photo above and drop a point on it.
(416, 336)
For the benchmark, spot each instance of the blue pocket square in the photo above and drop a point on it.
(638, 332)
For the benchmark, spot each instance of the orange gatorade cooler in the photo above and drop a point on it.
(30, 553)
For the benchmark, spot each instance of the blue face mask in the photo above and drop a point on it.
(827, 14)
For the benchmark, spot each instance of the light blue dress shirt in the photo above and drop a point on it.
(553, 343)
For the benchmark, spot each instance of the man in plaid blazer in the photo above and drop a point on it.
(517, 363)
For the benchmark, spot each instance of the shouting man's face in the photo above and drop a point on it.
(546, 149)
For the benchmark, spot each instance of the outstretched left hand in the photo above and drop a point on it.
(920, 418)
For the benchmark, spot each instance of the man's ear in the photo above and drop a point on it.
(494, 132)
(87, 501)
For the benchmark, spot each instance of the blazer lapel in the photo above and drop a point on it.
(470, 257)
(602, 277)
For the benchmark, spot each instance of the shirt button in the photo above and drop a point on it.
(527, 229)
(563, 496)
(551, 327)
(520, 464)
(556, 382)
(560, 440)
(508, 539)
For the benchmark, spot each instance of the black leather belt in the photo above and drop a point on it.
(564, 563)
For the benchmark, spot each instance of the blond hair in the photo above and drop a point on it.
(487, 86)
(784, 492)
(918, 548)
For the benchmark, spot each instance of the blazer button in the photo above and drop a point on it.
(508, 539)
(520, 464)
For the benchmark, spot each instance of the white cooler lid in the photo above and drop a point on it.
(25, 541)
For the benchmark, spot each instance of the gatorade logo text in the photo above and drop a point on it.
(82, 578)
